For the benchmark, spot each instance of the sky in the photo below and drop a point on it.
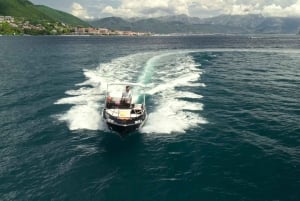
(94, 9)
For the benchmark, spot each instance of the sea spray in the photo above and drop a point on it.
(168, 74)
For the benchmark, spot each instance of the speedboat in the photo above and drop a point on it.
(123, 117)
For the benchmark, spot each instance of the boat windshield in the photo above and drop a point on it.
(114, 95)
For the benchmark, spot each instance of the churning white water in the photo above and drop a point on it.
(170, 76)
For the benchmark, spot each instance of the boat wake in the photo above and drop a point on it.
(173, 100)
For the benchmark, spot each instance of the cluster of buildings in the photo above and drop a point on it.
(7, 19)
(22, 24)
(106, 32)
(58, 28)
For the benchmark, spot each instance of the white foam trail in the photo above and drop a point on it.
(172, 114)
(168, 73)
(170, 117)
(184, 80)
(189, 95)
(88, 101)
(83, 117)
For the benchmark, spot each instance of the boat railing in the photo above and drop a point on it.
(122, 110)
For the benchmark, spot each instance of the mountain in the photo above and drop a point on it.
(113, 23)
(21, 8)
(60, 16)
(180, 18)
(235, 24)
(157, 25)
(26, 9)
(258, 23)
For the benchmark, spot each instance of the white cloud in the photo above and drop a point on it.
(153, 8)
(149, 8)
(199, 8)
(243, 9)
(79, 11)
(281, 8)
(277, 10)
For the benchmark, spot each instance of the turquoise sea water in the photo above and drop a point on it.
(223, 124)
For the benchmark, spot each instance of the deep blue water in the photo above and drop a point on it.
(224, 115)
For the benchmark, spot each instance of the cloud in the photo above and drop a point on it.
(278, 8)
(197, 8)
(280, 11)
(152, 8)
(79, 11)
(149, 8)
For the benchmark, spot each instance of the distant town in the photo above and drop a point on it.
(20, 26)
(106, 32)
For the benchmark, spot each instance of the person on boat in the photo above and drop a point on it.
(109, 101)
(126, 96)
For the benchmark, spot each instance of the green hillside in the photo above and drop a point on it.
(21, 8)
(24, 8)
(60, 16)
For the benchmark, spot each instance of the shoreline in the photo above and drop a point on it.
(152, 35)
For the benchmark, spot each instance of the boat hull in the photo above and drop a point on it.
(124, 126)
(123, 129)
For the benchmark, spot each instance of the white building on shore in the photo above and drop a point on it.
(7, 19)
